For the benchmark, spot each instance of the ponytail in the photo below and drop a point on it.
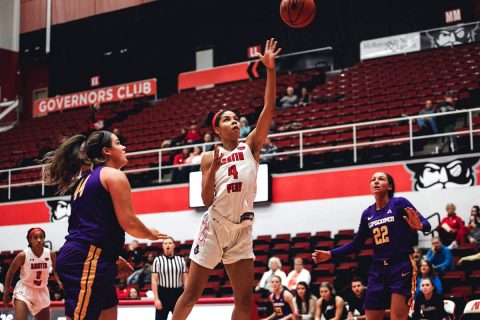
(63, 168)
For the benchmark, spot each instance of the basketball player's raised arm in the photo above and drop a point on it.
(16, 264)
(211, 161)
(118, 186)
(256, 138)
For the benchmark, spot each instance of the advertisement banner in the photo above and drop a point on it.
(120, 92)
(389, 46)
(450, 36)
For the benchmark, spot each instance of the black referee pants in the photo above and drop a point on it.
(168, 297)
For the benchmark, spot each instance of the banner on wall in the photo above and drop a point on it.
(120, 92)
(389, 46)
(423, 40)
(416, 175)
(450, 36)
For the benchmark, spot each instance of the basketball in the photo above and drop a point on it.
(297, 13)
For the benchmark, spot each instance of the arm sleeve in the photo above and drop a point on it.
(447, 259)
(357, 241)
(263, 280)
(438, 284)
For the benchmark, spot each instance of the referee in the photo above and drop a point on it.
(168, 279)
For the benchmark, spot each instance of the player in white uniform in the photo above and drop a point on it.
(31, 292)
(229, 187)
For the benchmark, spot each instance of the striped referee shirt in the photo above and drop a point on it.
(170, 271)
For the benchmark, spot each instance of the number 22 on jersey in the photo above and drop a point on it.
(380, 235)
(235, 186)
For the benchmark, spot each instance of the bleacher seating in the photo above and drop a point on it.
(370, 90)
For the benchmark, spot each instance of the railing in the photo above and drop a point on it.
(301, 150)
(433, 215)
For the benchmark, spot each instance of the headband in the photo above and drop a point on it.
(95, 149)
(215, 119)
(35, 230)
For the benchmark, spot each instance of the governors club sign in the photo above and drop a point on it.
(120, 92)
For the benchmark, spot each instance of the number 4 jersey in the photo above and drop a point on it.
(391, 234)
(235, 187)
(35, 271)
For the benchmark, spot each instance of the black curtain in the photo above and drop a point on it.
(161, 37)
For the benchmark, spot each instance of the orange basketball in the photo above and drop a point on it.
(297, 13)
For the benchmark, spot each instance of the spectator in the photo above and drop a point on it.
(195, 157)
(417, 256)
(192, 135)
(133, 294)
(440, 256)
(446, 124)
(134, 252)
(121, 289)
(275, 269)
(330, 305)
(304, 97)
(452, 230)
(144, 274)
(179, 140)
(207, 138)
(282, 301)
(471, 258)
(119, 135)
(305, 302)
(429, 304)
(298, 274)
(428, 125)
(356, 301)
(474, 225)
(289, 100)
(57, 295)
(244, 127)
(180, 174)
(427, 272)
(268, 148)
(96, 119)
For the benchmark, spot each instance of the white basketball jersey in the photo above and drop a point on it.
(35, 271)
(235, 185)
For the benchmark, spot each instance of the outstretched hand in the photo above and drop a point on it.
(413, 219)
(320, 256)
(124, 268)
(271, 52)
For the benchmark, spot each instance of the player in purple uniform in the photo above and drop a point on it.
(101, 213)
(392, 223)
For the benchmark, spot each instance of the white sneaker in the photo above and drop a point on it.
(453, 245)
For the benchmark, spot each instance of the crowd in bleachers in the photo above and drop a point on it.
(371, 90)
(442, 269)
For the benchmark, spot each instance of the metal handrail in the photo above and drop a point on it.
(433, 215)
(301, 150)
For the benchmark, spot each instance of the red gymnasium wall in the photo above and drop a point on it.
(301, 202)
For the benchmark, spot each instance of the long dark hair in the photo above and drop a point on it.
(63, 167)
(431, 274)
(308, 294)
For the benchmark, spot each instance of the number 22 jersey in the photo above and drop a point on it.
(391, 234)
